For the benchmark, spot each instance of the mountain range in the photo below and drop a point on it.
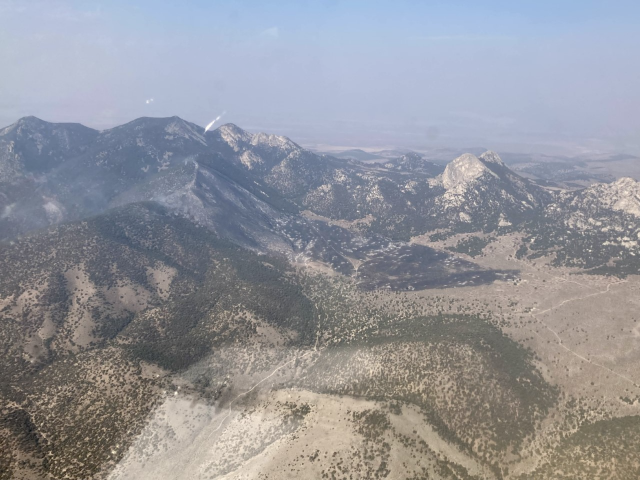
(267, 193)
(178, 303)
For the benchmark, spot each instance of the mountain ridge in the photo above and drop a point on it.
(266, 179)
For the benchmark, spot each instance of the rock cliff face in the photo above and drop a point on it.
(462, 172)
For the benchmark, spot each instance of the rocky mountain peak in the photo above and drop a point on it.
(277, 141)
(31, 121)
(31, 125)
(463, 170)
(36, 146)
(181, 128)
(411, 156)
(414, 162)
(233, 135)
(622, 195)
(239, 139)
(626, 183)
(149, 130)
(491, 157)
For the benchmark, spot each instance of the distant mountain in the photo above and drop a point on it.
(597, 228)
(260, 152)
(357, 154)
(31, 146)
(412, 162)
(30, 150)
(251, 187)
(484, 193)
(405, 199)
(69, 171)
(395, 153)
(623, 195)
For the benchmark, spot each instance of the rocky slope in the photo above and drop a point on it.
(597, 228)
(623, 195)
(107, 320)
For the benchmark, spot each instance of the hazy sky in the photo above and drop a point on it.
(402, 72)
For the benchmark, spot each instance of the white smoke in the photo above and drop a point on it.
(206, 129)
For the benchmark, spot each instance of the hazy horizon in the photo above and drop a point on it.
(420, 75)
